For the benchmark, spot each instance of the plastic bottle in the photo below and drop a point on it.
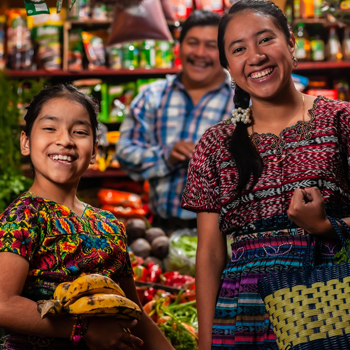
(333, 46)
(307, 8)
(296, 9)
(318, 8)
(346, 44)
(317, 46)
(302, 43)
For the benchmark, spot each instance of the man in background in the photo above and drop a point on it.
(169, 117)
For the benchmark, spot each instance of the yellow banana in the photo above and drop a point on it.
(88, 285)
(49, 307)
(110, 305)
(61, 290)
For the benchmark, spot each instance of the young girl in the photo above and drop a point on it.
(48, 236)
(266, 177)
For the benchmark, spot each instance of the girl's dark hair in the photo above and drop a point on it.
(58, 91)
(247, 158)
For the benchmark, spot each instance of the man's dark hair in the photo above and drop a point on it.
(199, 18)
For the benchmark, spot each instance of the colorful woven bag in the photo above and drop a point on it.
(310, 310)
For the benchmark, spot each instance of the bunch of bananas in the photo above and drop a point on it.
(90, 295)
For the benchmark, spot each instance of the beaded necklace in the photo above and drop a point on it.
(282, 143)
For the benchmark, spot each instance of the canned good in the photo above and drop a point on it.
(115, 56)
(130, 55)
(148, 54)
(164, 54)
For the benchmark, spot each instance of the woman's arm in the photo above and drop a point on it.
(146, 329)
(210, 262)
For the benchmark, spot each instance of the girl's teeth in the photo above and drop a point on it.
(65, 158)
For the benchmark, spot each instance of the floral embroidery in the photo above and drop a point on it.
(60, 245)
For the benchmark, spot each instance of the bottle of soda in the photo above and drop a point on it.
(302, 43)
(333, 46)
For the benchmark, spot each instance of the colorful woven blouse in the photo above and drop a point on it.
(59, 245)
(264, 240)
(322, 159)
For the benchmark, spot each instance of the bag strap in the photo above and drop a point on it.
(311, 239)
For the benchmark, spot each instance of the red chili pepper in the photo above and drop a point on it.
(154, 272)
(135, 260)
(140, 273)
(167, 276)
(178, 281)
(149, 294)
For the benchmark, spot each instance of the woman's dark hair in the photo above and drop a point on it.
(199, 18)
(247, 158)
(58, 91)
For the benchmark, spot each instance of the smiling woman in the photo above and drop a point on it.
(266, 177)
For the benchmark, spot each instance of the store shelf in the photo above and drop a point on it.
(150, 72)
(110, 172)
(86, 73)
(322, 65)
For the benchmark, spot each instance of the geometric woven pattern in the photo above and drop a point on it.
(310, 309)
(306, 313)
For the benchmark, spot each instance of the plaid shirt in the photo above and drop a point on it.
(162, 115)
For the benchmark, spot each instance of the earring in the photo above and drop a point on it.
(295, 62)
(233, 83)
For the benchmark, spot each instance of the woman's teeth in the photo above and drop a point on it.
(64, 158)
(262, 74)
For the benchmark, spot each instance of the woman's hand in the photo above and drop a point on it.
(307, 210)
(107, 334)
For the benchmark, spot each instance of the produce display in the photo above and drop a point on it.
(167, 296)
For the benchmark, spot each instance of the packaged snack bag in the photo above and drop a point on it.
(145, 21)
(20, 51)
(94, 49)
(75, 50)
(47, 34)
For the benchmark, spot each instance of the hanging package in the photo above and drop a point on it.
(36, 7)
(145, 21)
(47, 33)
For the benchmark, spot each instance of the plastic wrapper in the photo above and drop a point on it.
(146, 21)
(119, 198)
(94, 49)
(182, 254)
(47, 34)
(36, 7)
(75, 50)
(20, 51)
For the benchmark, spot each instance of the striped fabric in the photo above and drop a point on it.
(264, 239)
(163, 115)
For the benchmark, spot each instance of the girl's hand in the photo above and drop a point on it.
(307, 210)
(107, 334)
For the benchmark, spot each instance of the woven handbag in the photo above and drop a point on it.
(310, 310)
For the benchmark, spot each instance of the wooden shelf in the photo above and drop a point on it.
(322, 65)
(110, 172)
(89, 73)
(150, 72)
